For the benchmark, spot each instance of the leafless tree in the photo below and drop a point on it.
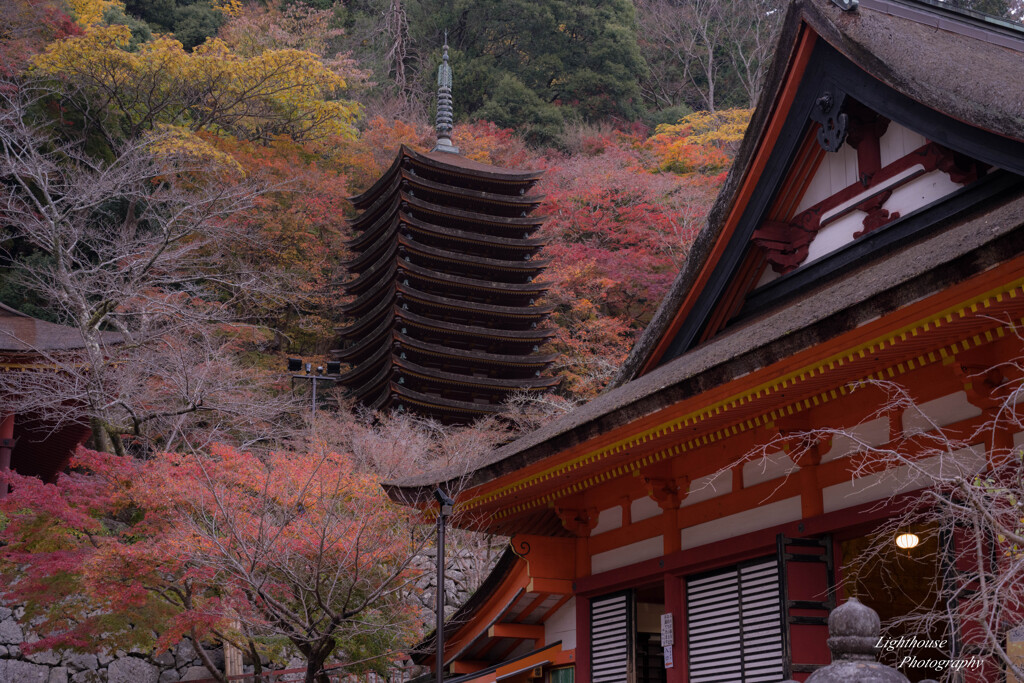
(704, 52)
(131, 255)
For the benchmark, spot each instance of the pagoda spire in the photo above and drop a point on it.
(444, 105)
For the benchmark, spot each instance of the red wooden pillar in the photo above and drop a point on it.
(582, 674)
(675, 604)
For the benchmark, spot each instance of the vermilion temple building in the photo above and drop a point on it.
(445, 314)
(872, 227)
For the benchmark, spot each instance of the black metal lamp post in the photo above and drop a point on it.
(445, 504)
(295, 366)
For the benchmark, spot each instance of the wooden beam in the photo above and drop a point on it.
(467, 666)
(518, 631)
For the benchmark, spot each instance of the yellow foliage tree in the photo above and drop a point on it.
(703, 141)
(277, 93)
(89, 12)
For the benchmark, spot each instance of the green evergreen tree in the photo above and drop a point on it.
(542, 60)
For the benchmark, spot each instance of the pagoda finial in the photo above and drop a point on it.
(444, 105)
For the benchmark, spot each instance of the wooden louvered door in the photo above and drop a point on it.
(734, 624)
(611, 638)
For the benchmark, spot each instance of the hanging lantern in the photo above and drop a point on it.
(907, 540)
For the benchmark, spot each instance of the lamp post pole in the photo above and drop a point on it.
(445, 504)
(295, 365)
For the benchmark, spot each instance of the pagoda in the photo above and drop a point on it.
(444, 317)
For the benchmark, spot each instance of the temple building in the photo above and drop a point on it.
(858, 290)
(32, 444)
(444, 317)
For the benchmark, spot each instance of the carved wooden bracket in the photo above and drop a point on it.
(668, 493)
(578, 521)
(981, 384)
(805, 450)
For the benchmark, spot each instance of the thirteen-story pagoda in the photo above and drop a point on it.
(445, 321)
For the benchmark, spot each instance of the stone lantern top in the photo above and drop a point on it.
(853, 629)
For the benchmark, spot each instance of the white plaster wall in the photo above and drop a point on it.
(835, 235)
(607, 520)
(562, 626)
(898, 142)
(708, 487)
(768, 467)
(965, 462)
(872, 433)
(761, 517)
(939, 412)
(919, 192)
(837, 171)
(644, 507)
(627, 555)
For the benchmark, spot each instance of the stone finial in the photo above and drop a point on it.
(445, 116)
(853, 629)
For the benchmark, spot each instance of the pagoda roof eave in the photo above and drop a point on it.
(535, 384)
(531, 200)
(457, 257)
(456, 165)
(531, 312)
(383, 269)
(369, 298)
(518, 222)
(533, 360)
(446, 405)
(527, 243)
(366, 367)
(539, 335)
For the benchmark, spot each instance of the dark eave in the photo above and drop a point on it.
(532, 360)
(529, 266)
(959, 249)
(385, 268)
(538, 336)
(367, 368)
(530, 245)
(378, 335)
(528, 202)
(484, 220)
(444, 405)
(520, 312)
(450, 164)
(441, 377)
(383, 205)
(461, 166)
(368, 320)
(372, 233)
(369, 299)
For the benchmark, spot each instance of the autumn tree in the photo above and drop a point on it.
(128, 253)
(296, 547)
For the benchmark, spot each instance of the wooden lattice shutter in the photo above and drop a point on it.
(611, 642)
(734, 625)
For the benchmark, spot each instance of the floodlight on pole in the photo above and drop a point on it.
(296, 366)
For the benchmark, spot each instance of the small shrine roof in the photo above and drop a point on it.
(23, 333)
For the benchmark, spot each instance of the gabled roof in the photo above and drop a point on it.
(907, 60)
